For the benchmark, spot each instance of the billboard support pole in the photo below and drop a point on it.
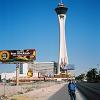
(17, 74)
(66, 73)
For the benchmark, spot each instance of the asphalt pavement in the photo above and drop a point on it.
(63, 94)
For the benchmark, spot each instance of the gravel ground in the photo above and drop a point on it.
(34, 91)
(43, 92)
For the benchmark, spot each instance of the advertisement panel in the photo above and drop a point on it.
(69, 67)
(17, 55)
(30, 72)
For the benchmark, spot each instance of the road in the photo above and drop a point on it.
(90, 90)
(62, 94)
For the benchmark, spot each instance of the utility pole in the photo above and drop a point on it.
(4, 81)
(17, 74)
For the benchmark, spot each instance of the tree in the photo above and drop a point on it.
(91, 75)
(80, 77)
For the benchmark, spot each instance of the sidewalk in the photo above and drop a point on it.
(63, 94)
(79, 96)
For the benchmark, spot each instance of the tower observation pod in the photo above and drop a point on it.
(63, 58)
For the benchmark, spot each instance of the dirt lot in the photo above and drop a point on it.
(36, 91)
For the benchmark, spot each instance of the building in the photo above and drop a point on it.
(63, 58)
(39, 69)
(7, 76)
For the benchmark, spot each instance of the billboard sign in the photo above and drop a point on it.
(69, 67)
(30, 72)
(17, 55)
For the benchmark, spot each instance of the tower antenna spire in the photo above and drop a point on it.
(60, 1)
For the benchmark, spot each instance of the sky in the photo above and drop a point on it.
(26, 24)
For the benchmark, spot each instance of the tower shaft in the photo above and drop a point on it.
(63, 58)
